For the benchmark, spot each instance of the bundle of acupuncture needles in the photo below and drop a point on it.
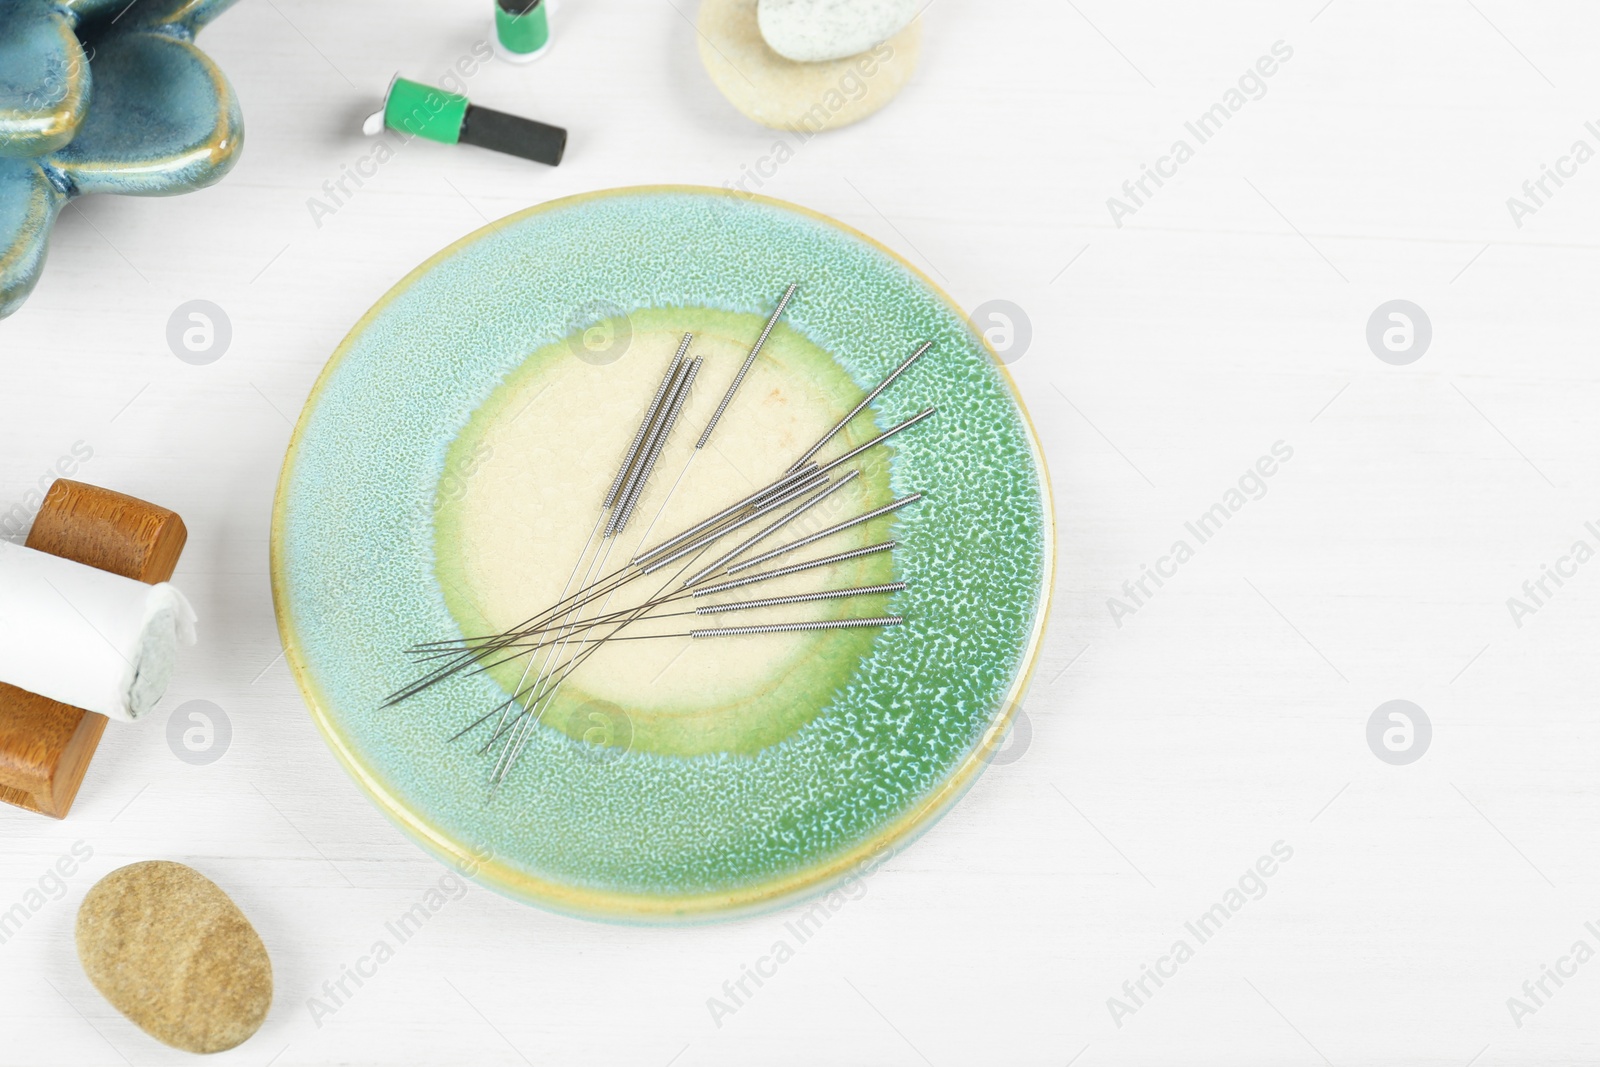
(559, 639)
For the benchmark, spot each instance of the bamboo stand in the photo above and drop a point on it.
(45, 746)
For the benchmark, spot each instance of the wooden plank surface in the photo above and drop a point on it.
(1168, 749)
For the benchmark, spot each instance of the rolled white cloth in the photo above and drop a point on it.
(87, 637)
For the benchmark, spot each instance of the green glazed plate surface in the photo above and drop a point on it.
(452, 458)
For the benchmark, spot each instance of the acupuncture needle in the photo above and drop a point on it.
(743, 605)
(485, 645)
(587, 649)
(619, 578)
(520, 734)
(759, 498)
(699, 548)
(592, 647)
(516, 746)
(622, 620)
(711, 425)
(705, 436)
(800, 489)
(616, 484)
(621, 492)
(775, 628)
(796, 568)
(753, 579)
(767, 531)
(829, 532)
(482, 649)
(870, 397)
(722, 406)
(657, 439)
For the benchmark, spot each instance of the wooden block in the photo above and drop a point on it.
(45, 746)
(111, 531)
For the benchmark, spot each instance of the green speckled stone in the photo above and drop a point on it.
(677, 823)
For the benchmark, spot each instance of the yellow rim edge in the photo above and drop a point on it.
(601, 904)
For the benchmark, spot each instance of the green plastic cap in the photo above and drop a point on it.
(522, 33)
(414, 108)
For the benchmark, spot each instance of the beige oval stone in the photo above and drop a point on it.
(172, 952)
(805, 97)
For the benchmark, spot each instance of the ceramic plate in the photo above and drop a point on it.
(452, 460)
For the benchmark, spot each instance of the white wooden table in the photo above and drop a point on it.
(1169, 748)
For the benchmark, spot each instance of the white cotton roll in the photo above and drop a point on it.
(87, 637)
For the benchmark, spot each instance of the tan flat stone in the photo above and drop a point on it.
(172, 952)
(806, 97)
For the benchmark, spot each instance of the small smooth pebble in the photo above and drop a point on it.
(807, 98)
(172, 952)
(811, 31)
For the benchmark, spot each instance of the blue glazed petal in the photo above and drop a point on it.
(44, 79)
(102, 96)
(28, 205)
(162, 120)
(188, 15)
(87, 10)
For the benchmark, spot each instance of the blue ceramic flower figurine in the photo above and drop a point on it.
(102, 96)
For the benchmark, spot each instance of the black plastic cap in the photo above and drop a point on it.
(513, 135)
